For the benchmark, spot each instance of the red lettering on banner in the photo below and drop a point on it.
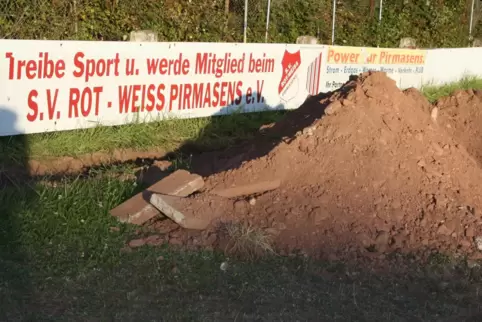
(35, 104)
(216, 95)
(150, 97)
(223, 100)
(260, 65)
(160, 97)
(135, 97)
(73, 101)
(43, 68)
(51, 103)
(84, 100)
(197, 95)
(164, 66)
(203, 95)
(186, 102)
(125, 94)
(32, 104)
(89, 68)
(211, 64)
(207, 97)
(174, 95)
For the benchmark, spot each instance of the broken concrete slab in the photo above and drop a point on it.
(172, 207)
(138, 210)
(135, 211)
(246, 190)
(189, 213)
(181, 183)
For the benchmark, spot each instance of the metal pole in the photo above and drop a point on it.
(245, 20)
(471, 19)
(267, 21)
(76, 26)
(381, 9)
(333, 24)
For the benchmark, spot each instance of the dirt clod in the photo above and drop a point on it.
(137, 243)
(382, 241)
(443, 230)
(154, 240)
(470, 232)
(461, 115)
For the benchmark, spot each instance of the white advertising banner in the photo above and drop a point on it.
(64, 85)
(53, 85)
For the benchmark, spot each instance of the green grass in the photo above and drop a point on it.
(433, 93)
(203, 133)
(60, 260)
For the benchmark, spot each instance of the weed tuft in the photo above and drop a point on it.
(246, 241)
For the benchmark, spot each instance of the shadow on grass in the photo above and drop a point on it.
(15, 271)
(166, 285)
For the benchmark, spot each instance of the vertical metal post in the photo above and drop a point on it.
(267, 21)
(245, 20)
(76, 26)
(380, 10)
(380, 13)
(471, 19)
(333, 23)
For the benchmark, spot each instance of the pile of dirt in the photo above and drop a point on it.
(461, 116)
(370, 174)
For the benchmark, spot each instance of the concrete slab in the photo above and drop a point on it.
(138, 210)
(181, 183)
(135, 210)
(190, 213)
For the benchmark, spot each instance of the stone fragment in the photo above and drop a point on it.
(333, 108)
(478, 242)
(137, 243)
(186, 213)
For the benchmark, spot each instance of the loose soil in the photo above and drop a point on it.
(461, 116)
(365, 172)
(76, 165)
(151, 167)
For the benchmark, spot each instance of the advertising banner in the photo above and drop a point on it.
(405, 66)
(64, 85)
(54, 85)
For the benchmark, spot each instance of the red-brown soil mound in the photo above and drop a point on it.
(374, 174)
(461, 116)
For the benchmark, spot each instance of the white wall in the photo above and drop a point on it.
(448, 65)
